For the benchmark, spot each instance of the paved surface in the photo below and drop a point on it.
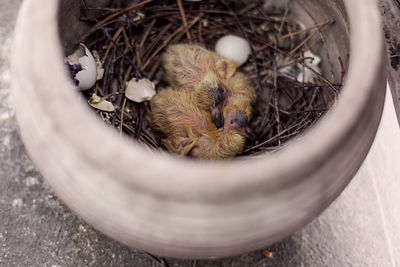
(359, 229)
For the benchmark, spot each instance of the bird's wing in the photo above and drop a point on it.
(185, 65)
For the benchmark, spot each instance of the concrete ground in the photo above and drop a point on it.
(359, 229)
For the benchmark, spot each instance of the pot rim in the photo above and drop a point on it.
(118, 166)
(266, 171)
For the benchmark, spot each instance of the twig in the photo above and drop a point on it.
(109, 36)
(289, 35)
(122, 116)
(165, 43)
(109, 46)
(304, 41)
(118, 13)
(185, 24)
(343, 70)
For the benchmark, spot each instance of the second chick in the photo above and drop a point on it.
(189, 131)
(213, 80)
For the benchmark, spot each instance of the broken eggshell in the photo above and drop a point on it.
(312, 61)
(140, 90)
(99, 65)
(99, 103)
(233, 47)
(82, 67)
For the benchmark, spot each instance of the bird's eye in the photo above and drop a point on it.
(240, 119)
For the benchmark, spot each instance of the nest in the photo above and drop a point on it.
(130, 42)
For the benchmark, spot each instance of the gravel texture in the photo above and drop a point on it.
(36, 229)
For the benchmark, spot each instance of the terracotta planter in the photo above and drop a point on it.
(182, 208)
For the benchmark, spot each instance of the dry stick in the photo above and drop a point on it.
(120, 79)
(235, 16)
(343, 70)
(221, 12)
(277, 117)
(131, 47)
(165, 43)
(149, 28)
(316, 90)
(84, 37)
(200, 33)
(138, 59)
(328, 56)
(116, 14)
(110, 45)
(144, 138)
(322, 78)
(122, 116)
(107, 45)
(272, 139)
(179, 36)
(248, 8)
(154, 69)
(110, 95)
(161, 261)
(254, 63)
(289, 35)
(127, 40)
(146, 34)
(108, 74)
(100, 24)
(284, 18)
(155, 41)
(124, 102)
(185, 24)
(308, 111)
(303, 42)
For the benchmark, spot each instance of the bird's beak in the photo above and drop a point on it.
(217, 117)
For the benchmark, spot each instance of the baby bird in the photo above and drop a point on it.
(189, 131)
(212, 79)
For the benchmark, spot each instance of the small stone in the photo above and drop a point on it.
(31, 181)
(6, 140)
(82, 228)
(17, 203)
(5, 116)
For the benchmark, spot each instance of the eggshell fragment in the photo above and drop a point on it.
(140, 90)
(312, 60)
(233, 47)
(101, 104)
(99, 65)
(87, 76)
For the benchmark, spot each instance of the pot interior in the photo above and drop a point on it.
(333, 47)
(307, 12)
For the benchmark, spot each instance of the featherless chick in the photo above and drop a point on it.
(188, 130)
(213, 80)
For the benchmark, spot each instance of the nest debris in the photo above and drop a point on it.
(130, 41)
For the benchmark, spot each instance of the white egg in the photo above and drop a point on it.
(233, 47)
(87, 75)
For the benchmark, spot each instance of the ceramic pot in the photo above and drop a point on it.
(177, 207)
